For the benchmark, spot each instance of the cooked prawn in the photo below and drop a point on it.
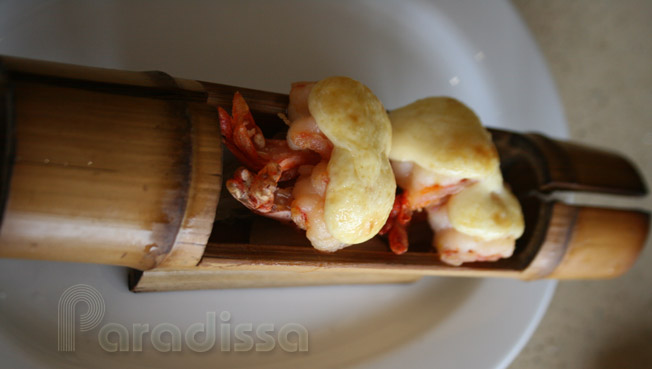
(267, 162)
(303, 157)
(420, 189)
(304, 134)
(456, 247)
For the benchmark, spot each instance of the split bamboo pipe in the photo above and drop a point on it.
(125, 168)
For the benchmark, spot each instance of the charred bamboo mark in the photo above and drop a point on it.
(554, 243)
(7, 138)
(173, 211)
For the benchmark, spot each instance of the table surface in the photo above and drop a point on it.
(600, 55)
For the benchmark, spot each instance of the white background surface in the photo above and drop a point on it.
(402, 51)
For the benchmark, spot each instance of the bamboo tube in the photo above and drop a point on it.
(109, 167)
(125, 168)
(604, 243)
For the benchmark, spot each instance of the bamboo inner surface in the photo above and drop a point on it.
(531, 164)
(241, 237)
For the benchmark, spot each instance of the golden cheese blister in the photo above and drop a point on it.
(361, 189)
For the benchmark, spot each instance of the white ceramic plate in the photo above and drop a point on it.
(479, 52)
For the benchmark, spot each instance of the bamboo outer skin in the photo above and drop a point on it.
(110, 167)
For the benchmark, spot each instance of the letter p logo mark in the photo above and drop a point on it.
(68, 302)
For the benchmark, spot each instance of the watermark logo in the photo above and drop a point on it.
(215, 332)
(68, 302)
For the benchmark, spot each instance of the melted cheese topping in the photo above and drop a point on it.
(361, 189)
(486, 210)
(442, 135)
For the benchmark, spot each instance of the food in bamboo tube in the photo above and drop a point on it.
(447, 165)
(332, 176)
(335, 155)
(125, 168)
